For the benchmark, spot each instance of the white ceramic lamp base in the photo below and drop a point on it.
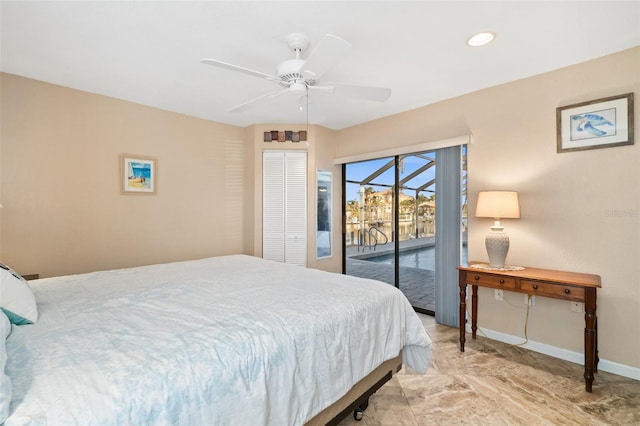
(497, 244)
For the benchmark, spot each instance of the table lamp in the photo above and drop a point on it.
(498, 205)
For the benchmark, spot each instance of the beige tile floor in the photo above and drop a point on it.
(493, 383)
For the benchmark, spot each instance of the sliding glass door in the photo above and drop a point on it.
(390, 222)
(370, 219)
(417, 220)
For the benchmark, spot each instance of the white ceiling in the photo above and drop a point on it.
(149, 52)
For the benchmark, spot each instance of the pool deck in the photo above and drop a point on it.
(417, 284)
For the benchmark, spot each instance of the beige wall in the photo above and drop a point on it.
(324, 155)
(63, 211)
(580, 210)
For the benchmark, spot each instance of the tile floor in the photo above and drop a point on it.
(493, 383)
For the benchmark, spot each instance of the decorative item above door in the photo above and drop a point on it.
(285, 136)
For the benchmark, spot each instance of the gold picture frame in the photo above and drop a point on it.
(138, 174)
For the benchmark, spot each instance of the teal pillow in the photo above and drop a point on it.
(16, 298)
(5, 381)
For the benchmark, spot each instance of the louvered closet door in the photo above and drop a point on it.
(295, 248)
(273, 206)
(284, 213)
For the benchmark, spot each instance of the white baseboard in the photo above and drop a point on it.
(567, 355)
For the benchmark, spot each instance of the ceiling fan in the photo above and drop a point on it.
(302, 76)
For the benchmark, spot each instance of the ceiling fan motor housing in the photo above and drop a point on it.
(289, 73)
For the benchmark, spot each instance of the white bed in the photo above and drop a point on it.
(232, 340)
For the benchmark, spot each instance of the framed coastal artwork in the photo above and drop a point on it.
(601, 123)
(138, 174)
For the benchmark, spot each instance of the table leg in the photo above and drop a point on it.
(590, 337)
(463, 308)
(595, 367)
(474, 310)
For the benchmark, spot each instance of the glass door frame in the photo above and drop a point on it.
(395, 217)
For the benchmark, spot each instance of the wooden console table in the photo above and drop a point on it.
(563, 285)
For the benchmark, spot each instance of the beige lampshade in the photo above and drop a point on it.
(498, 205)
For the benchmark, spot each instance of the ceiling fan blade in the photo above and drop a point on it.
(238, 68)
(256, 101)
(370, 93)
(330, 49)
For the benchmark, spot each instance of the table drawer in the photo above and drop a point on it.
(558, 291)
(490, 280)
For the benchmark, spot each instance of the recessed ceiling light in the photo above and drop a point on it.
(480, 39)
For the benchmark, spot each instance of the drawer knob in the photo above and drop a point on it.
(535, 286)
(477, 277)
(501, 281)
(567, 291)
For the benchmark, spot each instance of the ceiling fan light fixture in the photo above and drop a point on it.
(298, 87)
(480, 39)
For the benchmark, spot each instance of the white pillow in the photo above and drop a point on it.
(5, 381)
(16, 298)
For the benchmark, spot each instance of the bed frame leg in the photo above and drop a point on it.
(362, 402)
(359, 411)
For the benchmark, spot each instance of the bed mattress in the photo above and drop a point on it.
(225, 340)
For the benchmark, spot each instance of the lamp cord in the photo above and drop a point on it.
(526, 322)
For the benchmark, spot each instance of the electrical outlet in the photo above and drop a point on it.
(499, 295)
(530, 300)
(577, 306)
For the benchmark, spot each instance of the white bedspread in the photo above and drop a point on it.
(232, 340)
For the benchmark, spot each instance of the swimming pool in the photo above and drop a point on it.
(420, 258)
